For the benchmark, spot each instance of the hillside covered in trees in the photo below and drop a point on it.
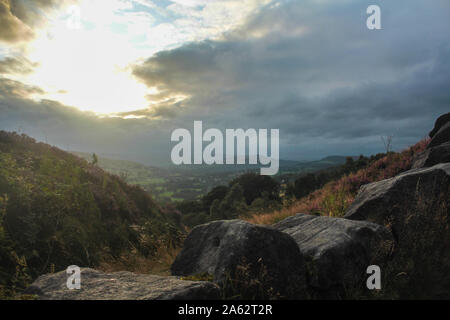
(58, 210)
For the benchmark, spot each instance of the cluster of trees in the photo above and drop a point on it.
(58, 210)
(244, 194)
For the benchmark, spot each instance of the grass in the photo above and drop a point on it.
(133, 262)
(336, 196)
(204, 276)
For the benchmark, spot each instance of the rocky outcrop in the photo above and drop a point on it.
(440, 122)
(414, 206)
(433, 156)
(339, 250)
(389, 201)
(222, 248)
(438, 150)
(442, 136)
(96, 285)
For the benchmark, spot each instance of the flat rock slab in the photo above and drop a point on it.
(96, 285)
(340, 249)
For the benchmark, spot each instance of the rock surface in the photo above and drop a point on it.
(433, 156)
(393, 201)
(438, 150)
(414, 206)
(440, 122)
(442, 136)
(340, 250)
(96, 285)
(220, 247)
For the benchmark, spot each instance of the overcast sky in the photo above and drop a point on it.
(116, 77)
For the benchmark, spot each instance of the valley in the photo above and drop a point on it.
(190, 182)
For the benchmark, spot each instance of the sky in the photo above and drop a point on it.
(117, 76)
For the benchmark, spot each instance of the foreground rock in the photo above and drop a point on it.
(340, 250)
(414, 206)
(96, 285)
(247, 254)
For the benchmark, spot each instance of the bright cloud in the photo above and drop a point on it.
(83, 50)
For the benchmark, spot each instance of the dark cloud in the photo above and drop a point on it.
(16, 65)
(12, 29)
(29, 11)
(315, 71)
(12, 88)
(19, 18)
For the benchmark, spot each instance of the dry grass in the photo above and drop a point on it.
(158, 265)
(336, 196)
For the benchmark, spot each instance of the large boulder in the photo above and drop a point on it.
(339, 250)
(438, 150)
(96, 285)
(440, 122)
(433, 156)
(414, 206)
(390, 201)
(440, 137)
(239, 253)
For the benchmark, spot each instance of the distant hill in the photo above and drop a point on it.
(286, 166)
(57, 209)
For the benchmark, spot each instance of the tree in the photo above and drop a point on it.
(190, 206)
(255, 185)
(231, 206)
(387, 141)
(124, 175)
(217, 193)
(305, 185)
(94, 159)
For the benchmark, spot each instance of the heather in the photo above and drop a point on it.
(335, 197)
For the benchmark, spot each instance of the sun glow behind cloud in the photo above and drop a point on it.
(88, 66)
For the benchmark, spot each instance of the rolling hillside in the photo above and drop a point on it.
(57, 210)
